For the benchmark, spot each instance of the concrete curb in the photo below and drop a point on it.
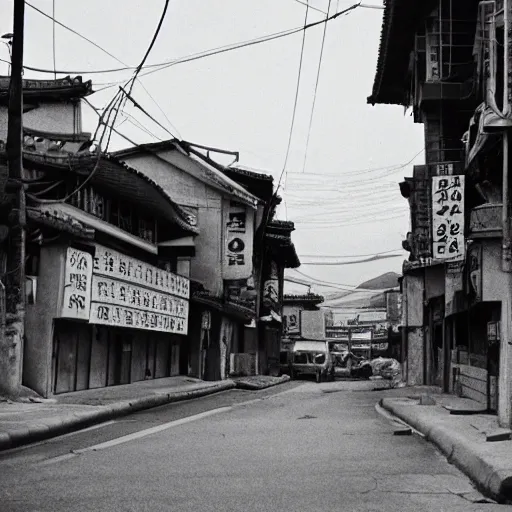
(460, 451)
(255, 387)
(57, 426)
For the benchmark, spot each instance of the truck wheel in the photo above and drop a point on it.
(318, 377)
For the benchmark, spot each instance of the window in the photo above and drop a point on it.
(300, 358)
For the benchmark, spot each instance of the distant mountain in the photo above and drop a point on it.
(384, 281)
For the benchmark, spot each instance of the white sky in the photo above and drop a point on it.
(243, 100)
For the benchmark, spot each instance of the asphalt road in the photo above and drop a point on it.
(298, 447)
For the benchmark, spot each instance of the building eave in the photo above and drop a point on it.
(399, 24)
(210, 171)
(119, 177)
(61, 89)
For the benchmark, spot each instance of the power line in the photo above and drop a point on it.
(312, 225)
(106, 52)
(208, 53)
(306, 3)
(297, 88)
(346, 255)
(316, 88)
(343, 263)
(131, 81)
(348, 287)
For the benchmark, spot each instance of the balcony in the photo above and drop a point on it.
(485, 221)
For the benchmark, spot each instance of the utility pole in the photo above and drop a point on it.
(504, 406)
(11, 345)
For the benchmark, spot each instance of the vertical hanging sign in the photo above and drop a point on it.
(76, 301)
(448, 217)
(238, 241)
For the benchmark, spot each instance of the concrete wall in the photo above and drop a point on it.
(37, 363)
(189, 191)
(493, 285)
(412, 300)
(49, 117)
(415, 356)
(472, 383)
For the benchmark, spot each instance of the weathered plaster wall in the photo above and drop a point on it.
(415, 356)
(412, 300)
(37, 363)
(48, 117)
(493, 285)
(187, 190)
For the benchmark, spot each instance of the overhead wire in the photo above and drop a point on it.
(316, 86)
(106, 52)
(112, 109)
(336, 256)
(295, 101)
(306, 3)
(344, 263)
(347, 287)
(201, 55)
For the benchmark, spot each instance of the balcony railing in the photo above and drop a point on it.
(485, 221)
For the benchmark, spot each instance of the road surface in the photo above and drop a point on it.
(300, 446)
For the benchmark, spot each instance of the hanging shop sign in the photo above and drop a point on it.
(76, 302)
(292, 320)
(238, 240)
(474, 271)
(127, 292)
(448, 217)
(271, 288)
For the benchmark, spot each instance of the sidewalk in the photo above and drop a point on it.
(467, 436)
(33, 419)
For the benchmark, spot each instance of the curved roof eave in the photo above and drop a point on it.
(118, 176)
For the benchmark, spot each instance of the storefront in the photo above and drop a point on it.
(107, 298)
(104, 318)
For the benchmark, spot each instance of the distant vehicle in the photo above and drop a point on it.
(309, 357)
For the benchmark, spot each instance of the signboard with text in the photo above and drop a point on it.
(238, 241)
(118, 290)
(448, 217)
(127, 292)
(76, 302)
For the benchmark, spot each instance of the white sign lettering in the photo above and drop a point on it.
(127, 292)
(76, 301)
(448, 217)
(120, 316)
(110, 263)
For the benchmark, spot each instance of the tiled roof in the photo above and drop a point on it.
(251, 173)
(57, 220)
(308, 297)
(211, 172)
(283, 249)
(116, 176)
(59, 89)
(401, 17)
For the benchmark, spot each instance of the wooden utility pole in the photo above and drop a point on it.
(11, 345)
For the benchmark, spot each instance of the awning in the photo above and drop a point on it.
(61, 221)
(79, 217)
(229, 308)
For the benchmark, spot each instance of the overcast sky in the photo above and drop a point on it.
(243, 101)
